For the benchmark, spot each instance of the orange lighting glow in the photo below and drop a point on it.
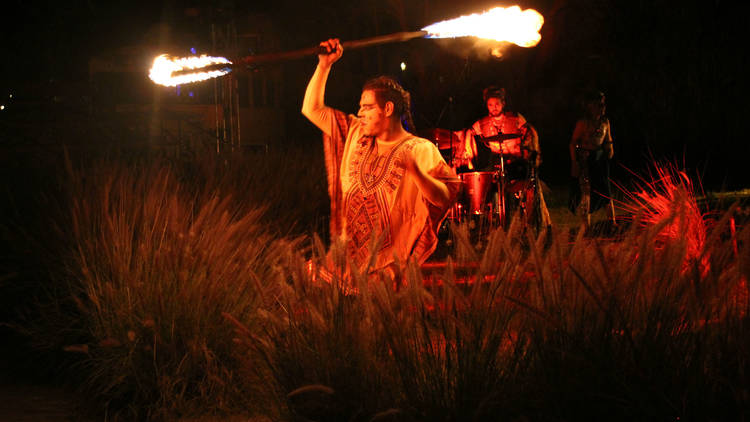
(164, 67)
(502, 24)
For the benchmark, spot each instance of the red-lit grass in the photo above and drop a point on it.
(151, 261)
(178, 300)
(639, 328)
(667, 199)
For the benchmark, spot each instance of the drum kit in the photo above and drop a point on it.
(488, 196)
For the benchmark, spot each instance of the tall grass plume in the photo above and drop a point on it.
(152, 262)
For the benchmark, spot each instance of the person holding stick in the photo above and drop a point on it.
(389, 190)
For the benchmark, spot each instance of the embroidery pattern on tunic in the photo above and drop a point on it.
(367, 207)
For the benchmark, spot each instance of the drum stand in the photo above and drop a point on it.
(454, 213)
(501, 190)
(530, 189)
(521, 196)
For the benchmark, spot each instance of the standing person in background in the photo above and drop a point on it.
(389, 189)
(591, 150)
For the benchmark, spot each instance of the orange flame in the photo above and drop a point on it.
(164, 66)
(504, 24)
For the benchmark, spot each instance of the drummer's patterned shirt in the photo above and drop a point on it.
(506, 123)
(375, 204)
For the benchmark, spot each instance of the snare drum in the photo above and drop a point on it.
(477, 186)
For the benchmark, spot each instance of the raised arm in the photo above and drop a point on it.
(313, 105)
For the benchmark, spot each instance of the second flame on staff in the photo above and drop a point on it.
(501, 24)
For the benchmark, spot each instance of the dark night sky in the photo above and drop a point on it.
(674, 74)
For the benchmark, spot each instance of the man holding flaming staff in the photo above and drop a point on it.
(389, 189)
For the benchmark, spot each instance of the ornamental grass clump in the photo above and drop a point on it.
(667, 199)
(367, 347)
(175, 298)
(318, 349)
(639, 327)
(152, 264)
(651, 326)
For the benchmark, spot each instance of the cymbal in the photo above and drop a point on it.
(443, 138)
(499, 137)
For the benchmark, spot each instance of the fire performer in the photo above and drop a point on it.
(519, 156)
(389, 189)
(590, 152)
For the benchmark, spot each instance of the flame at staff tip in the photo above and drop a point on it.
(511, 24)
(164, 66)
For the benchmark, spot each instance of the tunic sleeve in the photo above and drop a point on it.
(429, 158)
(333, 149)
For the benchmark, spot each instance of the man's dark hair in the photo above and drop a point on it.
(493, 91)
(387, 89)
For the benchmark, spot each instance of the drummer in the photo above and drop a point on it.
(506, 136)
(519, 146)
